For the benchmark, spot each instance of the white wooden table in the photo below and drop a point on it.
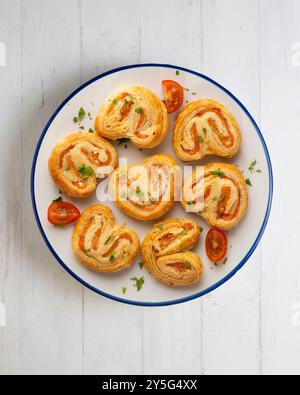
(53, 325)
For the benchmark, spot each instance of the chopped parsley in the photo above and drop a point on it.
(138, 190)
(139, 110)
(112, 257)
(141, 265)
(161, 227)
(124, 289)
(248, 182)
(80, 117)
(108, 240)
(115, 102)
(194, 93)
(252, 166)
(90, 116)
(123, 140)
(217, 173)
(201, 139)
(139, 282)
(91, 130)
(190, 203)
(177, 72)
(225, 261)
(188, 265)
(81, 127)
(85, 171)
(59, 199)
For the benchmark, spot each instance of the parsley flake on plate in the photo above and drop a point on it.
(138, 283)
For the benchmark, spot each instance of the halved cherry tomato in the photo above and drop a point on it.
(62, 213)
(216, 245)
(173, 94)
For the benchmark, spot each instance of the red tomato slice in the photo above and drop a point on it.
(216, 245)
(62, 213)
(173, 94)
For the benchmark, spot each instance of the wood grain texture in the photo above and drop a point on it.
(56, 326)
(281, 116)
(51, 300)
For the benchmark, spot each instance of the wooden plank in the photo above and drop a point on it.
(51, 300)
(280, 120)
(110, 37)
(11, 189)
(172, 342)
(231, 324)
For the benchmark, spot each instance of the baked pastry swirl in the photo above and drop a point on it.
(102, 245)
(206, 127)
(79, 160)
(135, 113)
(145, 192)
(218, 193)
(165, 252)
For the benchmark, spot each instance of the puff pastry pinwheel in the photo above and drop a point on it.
(102, 245)
(145, 192)
(166, 252)
(206, 127)
(135, 113)
(79, 160)
(218, 193)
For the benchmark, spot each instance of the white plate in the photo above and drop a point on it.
(242, 241)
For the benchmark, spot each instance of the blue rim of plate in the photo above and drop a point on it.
(198, 294)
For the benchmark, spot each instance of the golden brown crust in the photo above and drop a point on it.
(166, 252)
(135, 113)
(102, 245)
(206, 127)
(140, 198)
(78, 150)
(218, 193)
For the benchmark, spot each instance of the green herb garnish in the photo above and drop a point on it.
(252, 167)
(123, 140)
(225, 261)
(188, 265)
(248, 182)
(81, 127)
(59, 199)
(201, 139)
(177, 72)
(112, 257)
(161, 227)
(85, 171)
(81, 114)
(141, 265)
(124, 289)
(139, 110)
(115, 102)
(108, 240)
(75, 119)
(139, 282)
(138, 190)
(217, 173)
(91, 130)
